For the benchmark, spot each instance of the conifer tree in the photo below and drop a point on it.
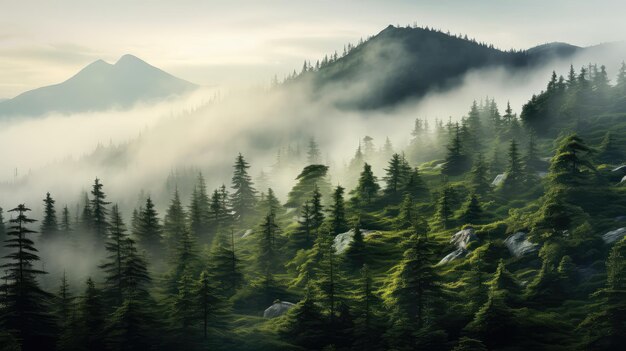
(25, 312)
(99, 210)
(92, 318)
(174, 225)
(210, 306)
(413, 289)
(244, 195)
(356, 254)
(317, 210)
(199, 211)
(393, 178)
(569, 165)
(86, 219)
(407, 215)
(149, 231)
(532, 163)
(326, 274)
(514, 171)
(49, 226)
(415, 185)
(225, 265)
(456, 160)
(305, 233)
(267, 256)
(609, 151)
(305, 324)
(136, 279)
(368, 187)
(66, 225)
(472, 211)
(444, 205)
(338, 222)
(184, 309)
(368, 324)
(270, 203)
(184, 261)
(113, 266)
(478, 178)
(313, 153)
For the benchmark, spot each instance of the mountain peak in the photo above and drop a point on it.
(130, 59)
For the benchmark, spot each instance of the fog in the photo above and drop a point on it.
(134, 151)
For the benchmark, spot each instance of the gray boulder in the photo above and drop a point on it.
(498, 179)
(461, 240)
(621, 169)
(342, 241)
(277, 309)
(623, 180)
(614, 235)
(518, 245)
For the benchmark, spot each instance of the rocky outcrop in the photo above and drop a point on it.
(277, 309)
(461, 240)
(614, 235)
(342, 241)
(519, 245)
(498, 179)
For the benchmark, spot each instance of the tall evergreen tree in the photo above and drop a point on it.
(514, 171)
(532, 163)
(174, 225)
(393, 178)
(356, 252)
(25, 312)
(304, 235)
(92, 318)
(210, 306)
(199, 211)
(609, 150)
(337, 219)
(267, 256)
(225, 265)
(368, 187)
(113, 266)
(66, 221)
(368, 324)
(149, 233)
(478, 178)
(317, 209)
(49, 226)
(472, 212)
(444, 205)
(99, 210)
(456, 160)
(244, 195)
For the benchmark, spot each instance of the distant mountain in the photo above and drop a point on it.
(99, 86)
(399, 63)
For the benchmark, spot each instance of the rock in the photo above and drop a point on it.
(621, 169)
(246, 233)
(463, 237)
(460, 239)
(623, 179)
(458, 253)
(518, 245)
(614, 235)
(498, 179)
(342, 241)
(277, 309)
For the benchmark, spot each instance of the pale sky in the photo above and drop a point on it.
(219, 43)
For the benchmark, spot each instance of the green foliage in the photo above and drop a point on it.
(49, 226)
(367, 188)
(243, 198)
(337, 219)
(312, 182)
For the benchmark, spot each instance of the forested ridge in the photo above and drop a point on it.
(493, 232)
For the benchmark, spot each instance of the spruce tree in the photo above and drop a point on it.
(472, 212)
(478, 178)
(338, 222)
(356, 253)
(49, 225)
(86, 218)
(514, 171)
(184, 310)
(267, 255)
(407, 215)
(113, 266)
(393, 178)
(304, 235)
(317, 210)
(305, 325)
(444, 205)
(225, 266)
(368, 325)
(244, 195)
(413, 289)
(174, 225)
(532, 163)
(368, 187)
(571, 164)
(199, 211)
(92, 318)
(66, 225)
(609, 150)
(456, 160)
(99, 210)
(210, 306)
(184, 261)
(415, 185)
(25, 312)
(149, 230)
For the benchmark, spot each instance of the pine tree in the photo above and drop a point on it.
(472, 211)
(267, 256)
(86, 219)
(66, 225)
(304, 235)
(199, 211)
(479, 182)
(456, 160)
(326, 274)
(184, 309)
(609, 151)
(184, 260)
(225, 265)
(368, 325)
(25, 312)
(393, 178)
(571, 161)
(99, 210)
(415, 185)
(313, 153)
(244, 195)
(305, 325)
(514, 171)
(211, 307)
(64, 302)
(338, 222)
(149, 231)
(532, 163)
(49, 226)
(92, 318)
(270, 203)
(368, 187)
(444, 205)
(135, 277)
(113, 266)
(317, 210)
(407, 215)
(413, 288)
(356, 253)
(174, 225)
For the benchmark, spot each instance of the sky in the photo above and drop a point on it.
(243, 42)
